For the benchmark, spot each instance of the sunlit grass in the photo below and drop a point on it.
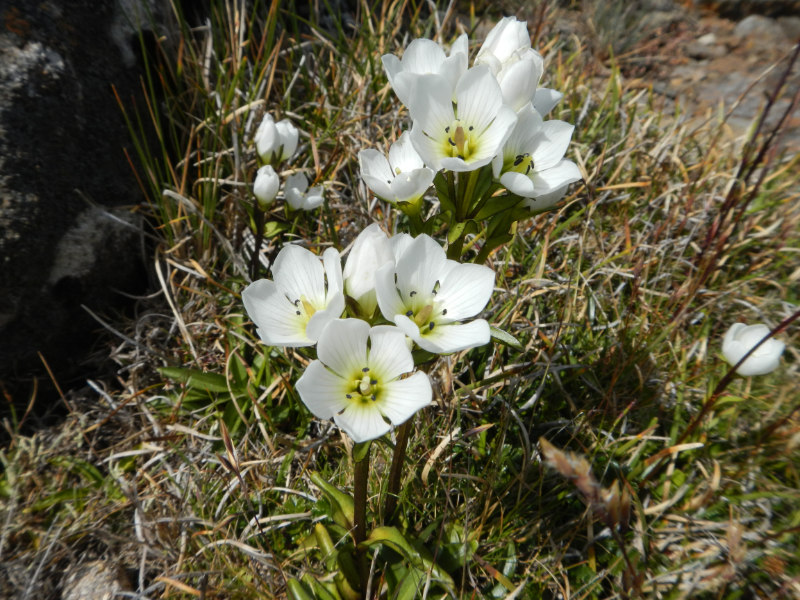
(619, 299)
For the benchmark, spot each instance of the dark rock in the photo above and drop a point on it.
(67, 234)
(738, 9)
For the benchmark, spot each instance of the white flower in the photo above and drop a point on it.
(293, 309)
(357, 382)
(505, 40)
(266, 185)
(370, 251)
(423, 57)
(468, 136)
(507, 45)
(519, 78)
(545, 99)
(276, 141)
(401, 178)
(299, 196)
(426, 295)
(532, 163)
(738, 341)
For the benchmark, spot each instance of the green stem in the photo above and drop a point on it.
(472, 181)
(484, 253)
(255, 263)
(454, 250)
(361, 476)
(395, 472)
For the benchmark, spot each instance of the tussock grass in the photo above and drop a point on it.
(619, 298)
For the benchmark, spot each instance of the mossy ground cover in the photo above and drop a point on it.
(683, 480)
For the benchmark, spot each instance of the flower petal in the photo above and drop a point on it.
(545, 201)
(431, 106)
(408, 327)
(423, 56)
(551, 148)
(545, 99)
(402, 156)
(274, 314)
(342, 346)
(479, 98)
(362, 421)
(761, 364)
(376, 173)
(389, 300)
(466, 290)
(420, 267)
(299, 274)
(446, 339)
(518, 183)
(323, 392)
(404, 397)
(389, 356)
(518, 81)
(565, 172)
(332, 263)
(411, 185)
(738, 341)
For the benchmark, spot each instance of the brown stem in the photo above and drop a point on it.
(395, 472)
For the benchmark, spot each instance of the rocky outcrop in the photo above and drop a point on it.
(68, 232)
(738, 9)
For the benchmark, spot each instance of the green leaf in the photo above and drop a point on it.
(461, 229)
(497, 205)
(361, 451)
(298, 591)
(341, 503)
(196, 379)
(76, 495)
(408, 582)
(347, 579)
(505, 338)
(420, 559)
(320, 590)
(443, 193)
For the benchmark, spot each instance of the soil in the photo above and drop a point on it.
(704, 57)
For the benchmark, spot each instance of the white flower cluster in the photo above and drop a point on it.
(465, 118)
(403, 291)
(275, 143)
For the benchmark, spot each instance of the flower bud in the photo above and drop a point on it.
(265, 188)
(299, 196)
(370, 251)
(276, 141)
(738, 341)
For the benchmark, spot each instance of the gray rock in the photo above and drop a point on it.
(67, 235)
(95, 580)
(700, 51)
(791, 27)
(760, 29)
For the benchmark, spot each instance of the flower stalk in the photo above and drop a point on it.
(395, 473)
(360, 481)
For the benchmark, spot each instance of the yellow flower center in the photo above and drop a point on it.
(459, 140)
(364, 388)
(523, 163)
